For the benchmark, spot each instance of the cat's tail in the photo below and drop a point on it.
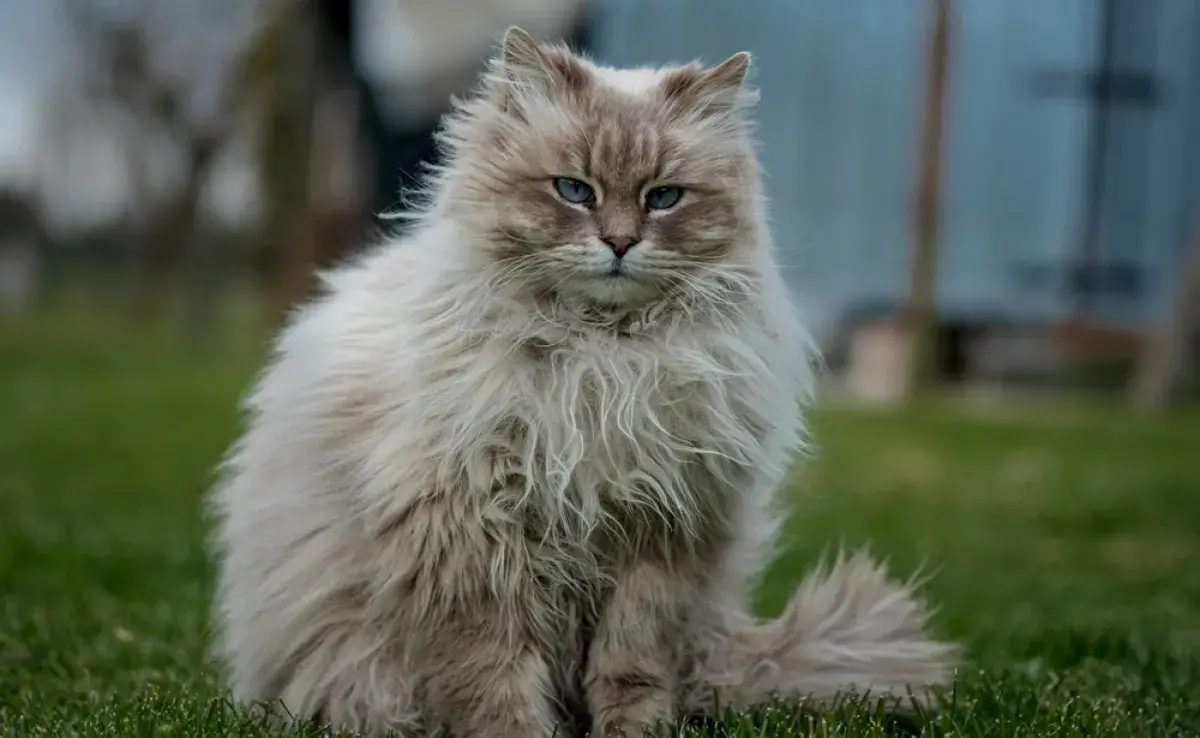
(846, 629)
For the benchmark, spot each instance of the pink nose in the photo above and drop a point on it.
(620, 245)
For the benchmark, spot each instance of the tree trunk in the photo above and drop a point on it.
(920, 315)
(1166, 353)
(292, 217)
(142, 237)
(21, 253)
(169, 241)
(201, 281)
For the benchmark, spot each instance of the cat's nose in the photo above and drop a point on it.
(620, 245)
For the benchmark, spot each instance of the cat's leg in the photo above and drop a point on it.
(471, 673)
(632, 664)
(469, 605)
(485, 679)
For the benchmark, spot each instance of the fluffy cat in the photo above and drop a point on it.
(514, 473)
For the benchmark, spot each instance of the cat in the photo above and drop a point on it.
(514, 474)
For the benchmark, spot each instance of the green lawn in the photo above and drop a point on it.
(1064, 543)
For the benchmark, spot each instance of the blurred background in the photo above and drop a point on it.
(989, 211)
(977, 193)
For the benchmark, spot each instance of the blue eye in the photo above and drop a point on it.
(661, 198)
(572, 190)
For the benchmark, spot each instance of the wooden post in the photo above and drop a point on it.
(1166, 353)
(920, 315)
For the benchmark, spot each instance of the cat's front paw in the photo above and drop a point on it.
(631, 711)
(624, 728)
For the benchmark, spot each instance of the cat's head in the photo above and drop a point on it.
(612, 186)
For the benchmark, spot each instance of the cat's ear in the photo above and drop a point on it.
(524, 61)
(521, 57)
(720, 90)
(527, 73)
(727, 77)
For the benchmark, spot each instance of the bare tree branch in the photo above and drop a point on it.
(170, 68)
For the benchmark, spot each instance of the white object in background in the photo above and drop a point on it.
(420, 52)
(878, 362)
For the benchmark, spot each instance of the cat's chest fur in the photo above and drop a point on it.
(628, 431)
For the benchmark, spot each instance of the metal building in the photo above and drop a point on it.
(1073, 145)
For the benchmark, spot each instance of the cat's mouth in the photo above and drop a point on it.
(618, 270)
(612, 282)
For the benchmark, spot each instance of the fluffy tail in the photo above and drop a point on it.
(847, 629)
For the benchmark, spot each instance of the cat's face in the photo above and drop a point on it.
(610, 186)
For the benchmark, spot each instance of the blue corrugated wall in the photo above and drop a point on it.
(841, 95)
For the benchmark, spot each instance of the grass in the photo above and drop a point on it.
(1064, 539)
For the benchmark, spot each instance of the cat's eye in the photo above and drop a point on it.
(572, 190)
(661, 198)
